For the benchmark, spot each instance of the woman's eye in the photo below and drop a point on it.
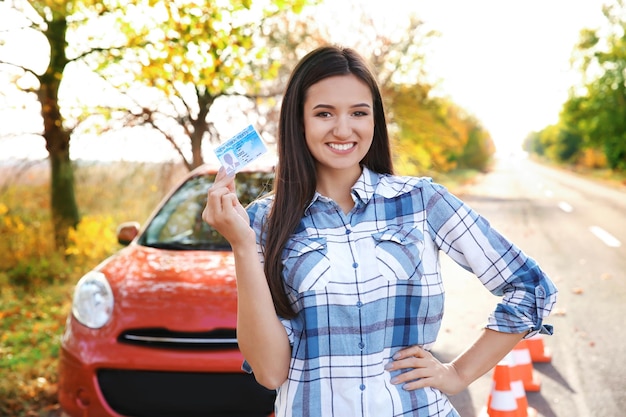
(360, 113)
(323, 114)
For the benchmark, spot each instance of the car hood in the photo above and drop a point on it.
(177, 290)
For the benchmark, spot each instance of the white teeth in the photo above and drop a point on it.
(341, 146)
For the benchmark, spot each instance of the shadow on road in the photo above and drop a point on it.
(551, 372)
(539, 402)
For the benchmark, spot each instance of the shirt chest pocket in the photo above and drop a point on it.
(399, 253)
(306, 265)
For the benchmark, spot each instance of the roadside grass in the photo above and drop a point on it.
(32, 319)
(604, 175)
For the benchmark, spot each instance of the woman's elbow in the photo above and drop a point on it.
(271, 380)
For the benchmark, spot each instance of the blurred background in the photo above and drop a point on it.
(105, 104)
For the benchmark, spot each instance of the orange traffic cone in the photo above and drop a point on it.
(538, 352)
(524, 365)
(501, 401)
(517, 386)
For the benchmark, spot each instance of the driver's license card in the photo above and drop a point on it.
(240, 150)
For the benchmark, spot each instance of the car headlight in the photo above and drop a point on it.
(93, 300)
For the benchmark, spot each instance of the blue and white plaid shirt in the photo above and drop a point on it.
(367, 284)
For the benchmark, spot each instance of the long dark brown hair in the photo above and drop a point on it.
(295, 180)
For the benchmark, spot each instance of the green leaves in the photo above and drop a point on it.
(594, 116)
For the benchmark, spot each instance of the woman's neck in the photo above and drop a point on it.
(337, 185)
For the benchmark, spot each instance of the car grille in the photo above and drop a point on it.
(218, 339)
(184, 394)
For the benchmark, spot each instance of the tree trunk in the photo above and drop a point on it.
(196, 145)
(63, 201)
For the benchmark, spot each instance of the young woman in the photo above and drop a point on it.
(339, 285)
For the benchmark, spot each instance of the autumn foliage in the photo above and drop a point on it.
(433, 135)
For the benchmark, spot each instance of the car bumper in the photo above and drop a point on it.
(117, 380)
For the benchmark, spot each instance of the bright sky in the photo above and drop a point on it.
(505, 61)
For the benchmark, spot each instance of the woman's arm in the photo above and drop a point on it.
(261, 336)
(424, 370)
(527, 295)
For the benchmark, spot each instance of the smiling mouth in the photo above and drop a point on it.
(341, 146)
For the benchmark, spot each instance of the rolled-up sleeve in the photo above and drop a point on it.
(527, 293)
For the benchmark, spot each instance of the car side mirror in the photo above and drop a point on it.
(126, 232)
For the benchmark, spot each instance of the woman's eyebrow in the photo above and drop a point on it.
(328, 106)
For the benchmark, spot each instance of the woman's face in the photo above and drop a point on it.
(339, 122)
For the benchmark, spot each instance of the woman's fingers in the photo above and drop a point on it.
(222, 205)
(413, 357)
(222, 179)
(214, 206)
(419, 369)
(414, 351)
(223, 183)
(224, 212)
(416, 362)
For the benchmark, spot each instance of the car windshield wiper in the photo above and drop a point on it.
(177, 245)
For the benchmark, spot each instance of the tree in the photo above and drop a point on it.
(425, 141)
(435, 134)
(479, 148)
(183, 49)
(51, 20)
(258, 70)
(597, 112)
(188, 55)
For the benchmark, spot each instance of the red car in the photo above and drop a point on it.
(152, 328)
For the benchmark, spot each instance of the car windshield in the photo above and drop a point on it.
(178, 225)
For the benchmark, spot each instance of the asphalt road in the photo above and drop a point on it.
(576, 230)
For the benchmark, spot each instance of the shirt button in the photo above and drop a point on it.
(348, 231)
(355, 265)
(362, 387)
(359, 304)
(361, 345)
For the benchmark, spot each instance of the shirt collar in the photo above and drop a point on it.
(362, 190)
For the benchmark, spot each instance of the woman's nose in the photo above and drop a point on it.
(342, 128)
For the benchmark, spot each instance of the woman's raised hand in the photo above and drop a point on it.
(225, 213)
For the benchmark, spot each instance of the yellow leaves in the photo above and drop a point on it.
(411, 158)
(295, 5)
(19, 240)
(198, 43)
(13, 224)
(93, 240)
(434, 134)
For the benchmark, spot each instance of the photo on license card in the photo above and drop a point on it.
(240, 150)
